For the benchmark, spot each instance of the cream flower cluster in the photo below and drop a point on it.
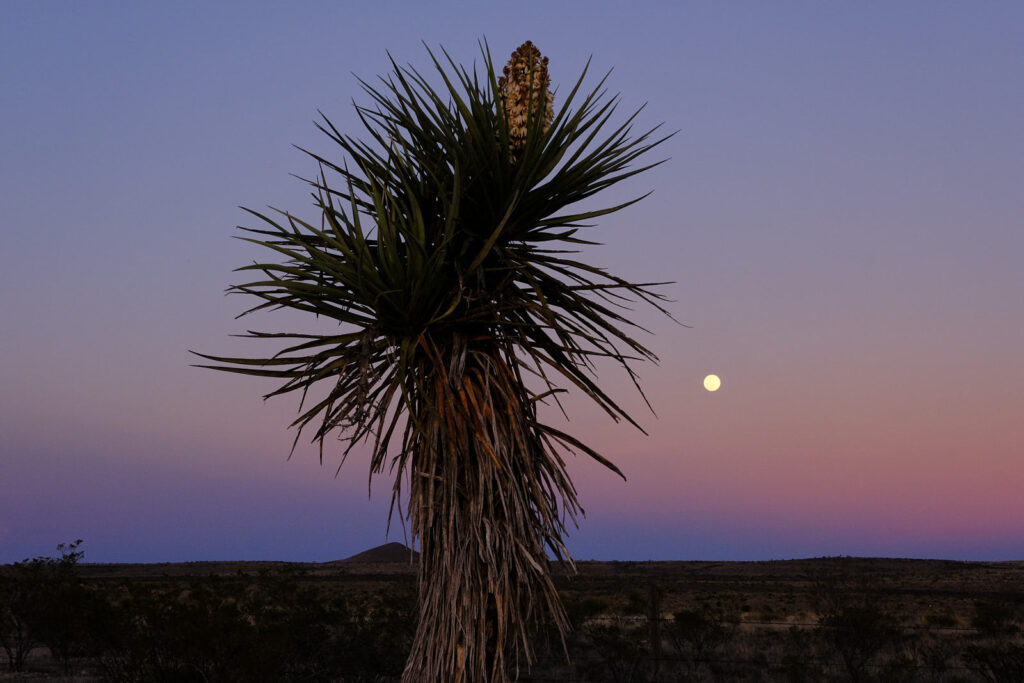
(524, 91)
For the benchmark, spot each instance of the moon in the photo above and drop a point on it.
(712, 382)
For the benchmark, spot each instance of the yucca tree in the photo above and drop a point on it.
(444, 248)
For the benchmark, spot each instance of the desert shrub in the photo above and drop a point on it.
(67, 622)
(997, 663)
(581, 609)
(267, 628)
(858, 632)
(375, 635)
(700, 632)
(936, 655)
(796, 668)
(698, 637)
(797, 663)
(900, 668)
(175, 634)
(995, 617)
(636, 602)
(622, 652)
(942, 620)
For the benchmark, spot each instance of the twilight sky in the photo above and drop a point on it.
(842, 216)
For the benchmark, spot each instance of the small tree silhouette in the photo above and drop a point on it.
(43, 601)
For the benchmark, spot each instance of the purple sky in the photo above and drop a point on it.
(842, 214)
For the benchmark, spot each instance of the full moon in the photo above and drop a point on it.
(712, 382)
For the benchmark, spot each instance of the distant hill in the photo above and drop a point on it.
(382, 554)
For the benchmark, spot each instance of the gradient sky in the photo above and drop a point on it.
(842, 215)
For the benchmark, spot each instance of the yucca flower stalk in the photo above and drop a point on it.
(524, 86)
(444, 249)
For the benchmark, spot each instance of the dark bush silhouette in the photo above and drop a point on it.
(997, 662)
(622, 651)
(797, 663)
(16, 637)
(700, 632)
(43, 601)
(264, 629)
(698, 636)
(995, 617)
(858, 632)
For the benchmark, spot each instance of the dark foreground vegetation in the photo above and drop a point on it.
(827, 619)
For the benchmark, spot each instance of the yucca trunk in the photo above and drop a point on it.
(484, 500)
